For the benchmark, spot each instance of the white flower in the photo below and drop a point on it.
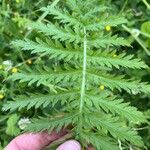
(22, 123)
(135, 32)
(7, 65)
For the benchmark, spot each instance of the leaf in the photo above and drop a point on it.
(55, 122)
(112, 125)
(12, 128)
(40, 100)
(99, 141)
(80, 55)
(146, 27)
(114, 105)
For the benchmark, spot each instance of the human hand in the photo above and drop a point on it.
(40, 140)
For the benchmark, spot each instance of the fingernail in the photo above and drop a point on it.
(70, 145)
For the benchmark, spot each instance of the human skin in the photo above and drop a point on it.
(39, 141)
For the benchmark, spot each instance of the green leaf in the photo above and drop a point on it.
(119, 82)
(111, 125)
(116, 106)
(63, 16)
(40, 101)
(79, 57)
(100, 142)
(12, 128)
(111, 21)
(71, 54)
(145, 27)
(55, 122)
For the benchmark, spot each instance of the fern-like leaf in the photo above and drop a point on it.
(77, 45)
(114, 105)
(100, 141)
(57, 123)
(57, 33)
(64, 16)
(37, 101)
(118, 82)
(108, 124)
(101, 58)
(111, 21)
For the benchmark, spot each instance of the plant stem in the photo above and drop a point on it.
(146, 3)
(120, 146)
(137, 39)
(124, 6)
(145, 34)
(83, 73)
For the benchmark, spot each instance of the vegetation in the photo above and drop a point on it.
(76, 64)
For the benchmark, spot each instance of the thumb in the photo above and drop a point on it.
(70, 145)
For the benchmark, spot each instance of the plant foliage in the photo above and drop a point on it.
(83, 56)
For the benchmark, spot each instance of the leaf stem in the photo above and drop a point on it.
(83, 73)
(146, 3)
(137, 39)
(120, 146)
(124, 6)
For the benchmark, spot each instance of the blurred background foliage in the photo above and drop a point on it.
(14, 18)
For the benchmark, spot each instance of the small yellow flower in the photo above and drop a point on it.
(14, 70)
(114, 55)
(1, 96)
(102, 87)
(108, 28)
(29, 62)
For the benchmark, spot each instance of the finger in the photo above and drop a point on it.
(70, 145)
(33, 141)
